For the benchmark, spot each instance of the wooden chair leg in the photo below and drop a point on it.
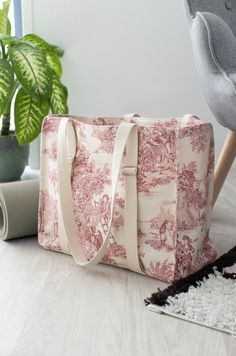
(224, 163)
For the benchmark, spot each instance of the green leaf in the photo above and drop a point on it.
(54, 62)
(8, 30)
(6, 83)
(59, 51)
(36, 41)
(7, 39)
(39, 42)
(50, 53)
(28, 115)
(4, 22)
(58, 100)
(32, 71)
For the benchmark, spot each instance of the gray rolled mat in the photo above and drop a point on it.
(19, 209)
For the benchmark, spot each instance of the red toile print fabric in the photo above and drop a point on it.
(174, 187)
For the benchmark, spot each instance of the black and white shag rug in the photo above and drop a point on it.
(207, 297)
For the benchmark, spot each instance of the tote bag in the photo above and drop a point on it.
(130, 192)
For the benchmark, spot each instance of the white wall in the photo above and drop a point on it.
(124, 56)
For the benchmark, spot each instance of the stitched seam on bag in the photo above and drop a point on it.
(41, 161)
(177, 147)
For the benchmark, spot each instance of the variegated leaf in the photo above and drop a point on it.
(8, 29)
(54, 62)
(35, 40)
(59, 51)
(39, 42)
(6, 83)
(28, 116)
(51, 54)
(4, 22)
(32, 71)
(58, 100)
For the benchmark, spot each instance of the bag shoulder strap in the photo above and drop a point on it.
(126, 133)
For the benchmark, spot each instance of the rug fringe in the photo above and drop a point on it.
(183, 285)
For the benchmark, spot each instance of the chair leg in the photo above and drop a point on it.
(224, 163)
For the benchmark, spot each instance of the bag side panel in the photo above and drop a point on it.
(195, 185)
(48, 196)
(157, 174)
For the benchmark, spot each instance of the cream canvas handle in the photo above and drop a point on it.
(66, 145)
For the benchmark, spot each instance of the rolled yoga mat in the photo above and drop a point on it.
(19, 209)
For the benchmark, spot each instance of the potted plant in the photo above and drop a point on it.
(30, 87)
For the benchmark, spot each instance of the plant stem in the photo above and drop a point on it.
(3, 49)
(7, 111)
(6, 118)
(5, 125)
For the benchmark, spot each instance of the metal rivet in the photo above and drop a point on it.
(228, 5)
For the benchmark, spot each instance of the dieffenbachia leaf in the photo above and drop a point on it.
(59, 51)
(6, 83)
(50, 52)
(8, 30)
(35, 40)
(38, 41)
(32, 71)
(28, 116)
(58, 100)
(54, 62)
(4, 22)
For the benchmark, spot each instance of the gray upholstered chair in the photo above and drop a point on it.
(213, 34)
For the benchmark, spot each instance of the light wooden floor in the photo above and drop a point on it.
(50, 307)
